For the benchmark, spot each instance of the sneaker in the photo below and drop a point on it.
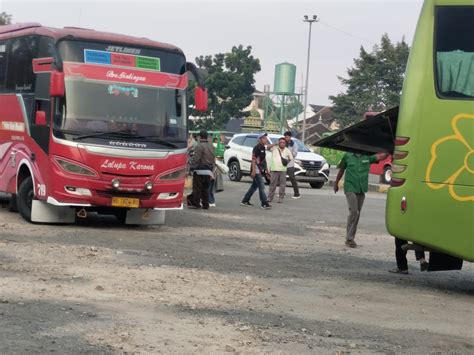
(280, 200)
(192, 207)
(246, 203)
(295, 197)
(266, 206)
(424, 265)
(212, 205)
(351, 244)
(398, 271)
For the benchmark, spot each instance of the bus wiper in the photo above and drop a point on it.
(109, 133)
(159, 140)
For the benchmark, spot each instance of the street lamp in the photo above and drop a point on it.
(310, 21)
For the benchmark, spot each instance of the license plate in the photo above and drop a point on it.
(125, 202)
(312, 173)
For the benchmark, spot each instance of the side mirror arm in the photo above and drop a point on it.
(191, 67)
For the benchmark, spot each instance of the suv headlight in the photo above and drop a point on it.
(299, 162)
(74, 168)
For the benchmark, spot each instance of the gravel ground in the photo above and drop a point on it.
(231, 279)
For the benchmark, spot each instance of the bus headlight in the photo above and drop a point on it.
(174, 175)
(74, 168)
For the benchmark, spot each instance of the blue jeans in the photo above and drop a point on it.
(259, 184)
(211, 191)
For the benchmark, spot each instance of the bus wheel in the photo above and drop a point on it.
(25, 198)
(12, 205)
(387, 175)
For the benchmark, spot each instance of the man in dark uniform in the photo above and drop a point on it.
(202, 166)
(257, 171)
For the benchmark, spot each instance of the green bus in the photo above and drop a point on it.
(431, 199)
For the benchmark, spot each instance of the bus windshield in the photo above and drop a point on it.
(94, 107)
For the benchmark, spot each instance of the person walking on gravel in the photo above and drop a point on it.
(281, 156)
(293, 147)
(257, 171)
(356, 183)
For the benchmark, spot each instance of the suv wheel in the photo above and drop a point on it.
(316, 185)
(235, 174)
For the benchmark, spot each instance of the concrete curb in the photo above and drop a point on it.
(380, 188)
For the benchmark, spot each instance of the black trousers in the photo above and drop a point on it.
(200, 192)
(291, 175)
(401, 255)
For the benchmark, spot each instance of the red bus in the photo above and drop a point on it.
(92, 121)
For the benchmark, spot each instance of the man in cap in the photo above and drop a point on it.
(257, 171)
(293, 147)
(202, 166)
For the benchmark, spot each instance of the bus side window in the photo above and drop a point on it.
(3, 64)
(20, 76)
(454, 51)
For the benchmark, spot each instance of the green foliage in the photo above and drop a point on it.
(374, 83)
(230, 83)
(5, 19)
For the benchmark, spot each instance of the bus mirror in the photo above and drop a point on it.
(56, 88)
(200, 99)
(40, 118)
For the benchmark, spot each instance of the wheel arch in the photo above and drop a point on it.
(24, 170)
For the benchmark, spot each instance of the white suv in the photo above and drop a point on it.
(309, 167)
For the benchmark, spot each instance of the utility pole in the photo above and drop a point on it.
(310, 21)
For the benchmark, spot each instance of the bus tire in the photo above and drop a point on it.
(12, 204)
(25, 198)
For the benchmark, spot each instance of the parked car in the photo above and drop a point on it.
(309, 167)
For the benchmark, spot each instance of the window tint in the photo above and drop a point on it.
(454, 51)
(238, 140)
(250, 141)
(3, 64)
(20, 75)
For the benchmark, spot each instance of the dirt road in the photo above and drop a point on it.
(233, 279)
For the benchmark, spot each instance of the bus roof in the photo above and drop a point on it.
(25, 29)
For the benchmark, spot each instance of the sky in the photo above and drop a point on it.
(274, 29)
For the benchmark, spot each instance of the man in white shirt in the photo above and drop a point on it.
(281, 156)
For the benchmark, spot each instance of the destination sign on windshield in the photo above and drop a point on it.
(92, 56)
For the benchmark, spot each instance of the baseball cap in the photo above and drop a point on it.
(261, 135)
(288, 133)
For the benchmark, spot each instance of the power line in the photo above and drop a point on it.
(347, 33)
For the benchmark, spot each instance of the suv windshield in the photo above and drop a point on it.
(93, 108)
(301, 146)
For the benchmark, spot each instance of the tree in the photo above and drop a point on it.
(230, 83)
(374, 83)
(5, 19)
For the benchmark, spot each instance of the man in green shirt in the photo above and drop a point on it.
(356, 184)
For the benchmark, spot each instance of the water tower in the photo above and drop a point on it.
(283, 92)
